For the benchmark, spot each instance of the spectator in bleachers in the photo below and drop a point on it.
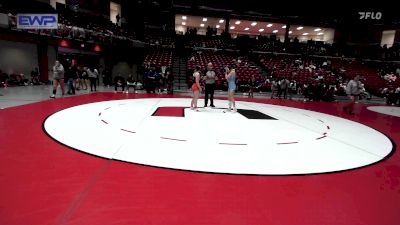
(363, 92)
(390, 77)
(329, 95)
(12, 80)
(209, 80)
(139, 85)
(58, 78)
(18, 79)
(3, 79)
(292, 88)
(130, 82)
(117, 17)
(308, 90)
(163, 70)
(391, 96)
(319, 90)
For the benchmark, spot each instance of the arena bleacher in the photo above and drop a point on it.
(265, 58)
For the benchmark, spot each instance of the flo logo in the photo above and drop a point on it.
(370, 15)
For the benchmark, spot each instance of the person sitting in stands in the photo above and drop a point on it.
(329, 95)
(35, 76)
(20, 79)
(130, 83)
(119, 81)
(3, 79)
(139, 85)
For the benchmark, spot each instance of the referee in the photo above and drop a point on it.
(209, 80)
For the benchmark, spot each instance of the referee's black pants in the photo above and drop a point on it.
(209, 90)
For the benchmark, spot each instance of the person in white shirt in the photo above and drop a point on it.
(353, 90)
(58, 78)
(92, 78)
(138, 85)
(163, 69)
(397, 90)
(274, 88)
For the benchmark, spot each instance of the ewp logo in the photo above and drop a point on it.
(370, 15)
(37, 21)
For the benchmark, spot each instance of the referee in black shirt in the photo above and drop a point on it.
(209, 80)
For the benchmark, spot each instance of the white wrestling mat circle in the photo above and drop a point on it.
(259, 139)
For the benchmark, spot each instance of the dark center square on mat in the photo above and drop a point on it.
(253, 114)
(170, 111)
